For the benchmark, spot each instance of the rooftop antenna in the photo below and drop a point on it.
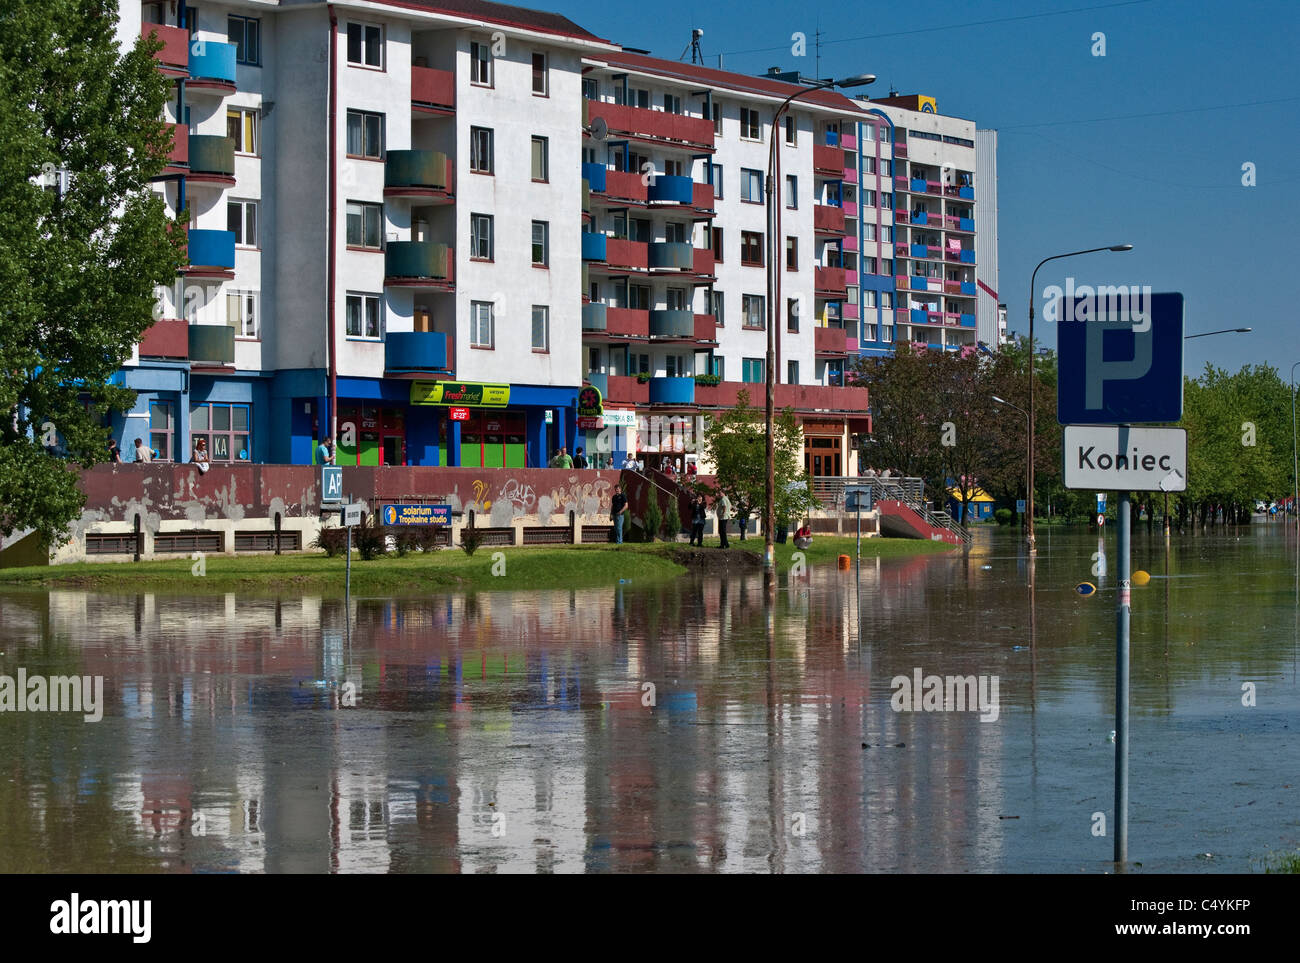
(817, 46)
(697, 55)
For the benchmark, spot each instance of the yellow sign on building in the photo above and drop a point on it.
(459, 393)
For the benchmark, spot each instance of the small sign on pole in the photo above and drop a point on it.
(351, 515)
(1020, 506)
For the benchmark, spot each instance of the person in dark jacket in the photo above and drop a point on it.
(699, 514)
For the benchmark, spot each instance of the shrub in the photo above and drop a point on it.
(426, 537)
(331, 541)
(370, 539)
(672, 521)
(642, 377)
(1003, 516)
(708, 379)
(654, 517)
(470, 540)
(405, 538)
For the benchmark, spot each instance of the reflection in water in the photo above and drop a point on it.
(691, 728)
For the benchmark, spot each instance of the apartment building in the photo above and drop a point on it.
(464, 233)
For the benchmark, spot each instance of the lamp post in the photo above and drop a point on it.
(773, 229)
(1029, 533)
(1206, 334)
(1028, 421)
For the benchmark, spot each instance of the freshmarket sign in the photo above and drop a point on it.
(459, 393)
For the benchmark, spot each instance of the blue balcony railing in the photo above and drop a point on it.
(968, 320)
(593, 246)
(593, 317)
(671, 254)
(919, 250)
(415, 351)
(672, 323)
(918, 283)
(966, 223)
(212, 60)
(672, 391)
(968, 287)
(598, 381)
(917, 316)
(917, 185)
(671, 188)
(595, 175)
(966, 193)
(967, 257)
(212, 248)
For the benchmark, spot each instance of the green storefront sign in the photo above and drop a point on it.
(459, 393)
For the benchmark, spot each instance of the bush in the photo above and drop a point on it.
(642, 377)
(426, 537)
(1003, 516)
(331, 541)
(405, 539)
(470, 540)
(371, 540)
(654, 517)
(708, 379)
(672, 521)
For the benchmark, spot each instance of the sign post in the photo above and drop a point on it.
(1122, 364)
(855, 495)
(351, 515)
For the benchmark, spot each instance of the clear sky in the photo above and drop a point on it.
(1143, 146)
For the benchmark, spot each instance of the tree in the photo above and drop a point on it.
(736, 443)
(904, 433)
(80, 258)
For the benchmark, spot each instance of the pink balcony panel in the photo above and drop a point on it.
(850, 208)
(850, 311)
(850, 175)
(850, 242)
(849, 141)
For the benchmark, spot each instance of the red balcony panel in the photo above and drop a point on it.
(829, 340)
(828, 160)
(168, 338)
(625, 184)
(702, 261)
(627, 322)
(627, 254)
(828, 219)
(627, 389)
(433, 88)
(653, 124)
(830, 279)
(180, 152)
(798, 397)
(174, 58)
(900, 150)
(702, 197)
(706, 327)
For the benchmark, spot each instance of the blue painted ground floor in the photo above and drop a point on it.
(280, 417)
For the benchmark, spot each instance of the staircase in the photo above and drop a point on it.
(904, 511)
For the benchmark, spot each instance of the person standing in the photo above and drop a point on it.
(699, 515)
(114, 453)
(325, 451)
(722, 508)
(142, 454)
(579, 459)
(618, 512)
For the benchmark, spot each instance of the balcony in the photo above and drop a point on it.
(702, 262)
(672, 391)
(799, 397)
(167, 338)
(828, 219)
(828, 160)
(829, 340)
(212, 68)
(628, 322)
(652, 125)
(702, 198)
(599, 381)
(850, 242)
(174, 58)
(966, 224)
(917, 185)
(212, 161)
(593, 246)
(962, 192)
(918, 250)
(178, 158)
(626, 255)
(952, 287)
(406, 351)
(900, 149)
(671, 255)
(433, 91)
(419, 264)
(626, 186)
(967, 257)
(830, 280)
(418, 174)
(213, 343)
(211, 253)
(849, 141)
(901, 284)
(917, 316)
(594, 174)
(968, 287)
(593, 316)
(850, 311)
(850, 175)
(671, 189)
(919, 283)
(967, 320)
(627, 389)
(706, 328)
(672, 323)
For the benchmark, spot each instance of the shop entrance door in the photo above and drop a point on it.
(821, 456)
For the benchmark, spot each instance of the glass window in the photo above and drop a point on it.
(716, 238)
(225, 428)
(541, 243)
(365, 134)
(246, 34)
(751, 247)
(541, 159)
(241, 127)
(791, 130)
(241, 313)
(719, 308)
(751, 306)
(792, 372)
(480, 150)
(791, 191)
(365, 225)
(751, 185)
(480, 324)
(480, 236)
(161, 428)
(540, 83)
(364, 316)
(792, 254)
(366, 45)
(541, 328)
(792, 314)
(752, 369)
(241, 220)
(717, 119)
(716, 170)
(480, 64)
(750, 127)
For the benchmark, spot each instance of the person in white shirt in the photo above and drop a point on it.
(142, 454)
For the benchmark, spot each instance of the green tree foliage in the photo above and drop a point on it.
(736, 444)
(78, 267)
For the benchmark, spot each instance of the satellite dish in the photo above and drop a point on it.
(599, 129)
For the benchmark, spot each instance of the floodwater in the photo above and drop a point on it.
(683, 728)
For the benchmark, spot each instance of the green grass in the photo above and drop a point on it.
(541, 567)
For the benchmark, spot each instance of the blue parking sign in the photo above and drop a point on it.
(1120, 358)
(331, 483)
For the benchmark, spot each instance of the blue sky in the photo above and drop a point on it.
(1076, 168)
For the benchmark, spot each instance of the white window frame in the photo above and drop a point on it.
(749, 177)
(475, 134)
(246, 236)
(364, 29)
(475, 220)
(480, 65)
(245, 114)
(482, 314)
(545, 242)
(247, 325)
(541, 313)
(750, 120)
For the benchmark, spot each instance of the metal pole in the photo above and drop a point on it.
(1121, 686)
(347, 585)
(1295, 464)
(857, 503)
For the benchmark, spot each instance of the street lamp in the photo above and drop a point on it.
(773, 295)
(1206, 334)
(1028, 421)
(1029, 533)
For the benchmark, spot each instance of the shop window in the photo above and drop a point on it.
(225, 428)
(162, 430)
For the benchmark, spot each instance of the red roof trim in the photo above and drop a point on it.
(539, 21)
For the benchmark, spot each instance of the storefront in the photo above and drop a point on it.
(488, 439)
(371, 435)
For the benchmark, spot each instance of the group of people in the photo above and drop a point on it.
(562, 459)
(145, 455)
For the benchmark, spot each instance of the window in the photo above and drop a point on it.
(365, 134)
(868, 198)
(791, 131)
(541, 328)
(241, 219)
(889, 266)
(719, 311)
(676, 299)
(751, 247)
(480, 150)
(868, 298)
(241, 127)
(751, 185)
(868, 165)
(752, 370)
(366, 45)
(224, 428)
(365, 317)
(887, 299)
(590, 88)
(719, 368)
(888, 337)
(638, 297)
(716, 170)
(792, 372)
(676, 233)
(792, 254)
(887, 234)
(792, 315)
(480, 64)
(541, 85)
(716, 233)
(750, 127)
(791, 191)
(246, 34)
(541, 159)
(751, 307)
(480, 236)
(869, 265)
(675, 366)
(672, 104)
(162, 424)
(365, 225)
(868, 232)
(886, 200)
(886, 168)
(241, 313)
(541, 244)
(717, 119)
(480, 324)
(673, 168)
(868, 131)
(870, 335)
